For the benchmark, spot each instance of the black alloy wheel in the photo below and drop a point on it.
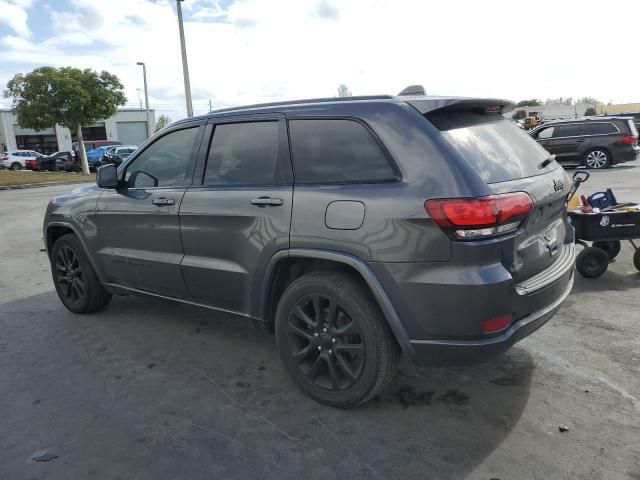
(326, 343)
(69, 276)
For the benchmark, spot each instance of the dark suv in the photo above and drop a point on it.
(595, 142)
(357, 229)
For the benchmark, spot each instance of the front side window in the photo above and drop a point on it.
(244, 154)
(164, 163)
(545, 133)
(337, 151)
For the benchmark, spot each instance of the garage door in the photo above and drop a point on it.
(132, 133)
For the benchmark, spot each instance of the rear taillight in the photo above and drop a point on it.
(480, 217)
(630, 139)
(4, 157)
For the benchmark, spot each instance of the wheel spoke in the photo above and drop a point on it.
(345, 329)
(76, 290)
(79, 283)
(60, 266)
(300, 332)
(299, 313)
(315, 368)
(68, 292)
(346, 368)
(303, 353)
(349, 348)
(332, 314)
(315, 300)
(333, 375)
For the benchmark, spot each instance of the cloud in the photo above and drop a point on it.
(13, 13)
(253, 51)
(324, 9)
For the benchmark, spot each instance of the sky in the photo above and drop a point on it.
(249, 51)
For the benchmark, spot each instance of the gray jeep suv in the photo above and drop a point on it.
(357, 229)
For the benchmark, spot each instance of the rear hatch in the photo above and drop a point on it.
(531, 236)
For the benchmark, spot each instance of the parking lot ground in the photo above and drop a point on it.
(150, 389)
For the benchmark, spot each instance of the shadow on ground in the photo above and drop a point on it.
(154, 389)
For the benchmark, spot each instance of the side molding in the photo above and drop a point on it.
(362, 268)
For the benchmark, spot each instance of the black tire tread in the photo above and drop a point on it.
(636, 259)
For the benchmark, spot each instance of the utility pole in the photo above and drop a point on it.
(185, 66)
(210, 106)
(146, 100)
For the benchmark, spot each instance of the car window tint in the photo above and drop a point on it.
(603, 128)
(545, 133)
(243, 154)
(165, 162)
(571, 130)
(336, 151)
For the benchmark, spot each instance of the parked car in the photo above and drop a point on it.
(57, 161)
(16, 159)
(431, 227)
(94, 156)
(116, 155)
(634, 115)
(595, 142)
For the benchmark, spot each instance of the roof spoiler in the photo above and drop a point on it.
(480, 105)
(413, 90)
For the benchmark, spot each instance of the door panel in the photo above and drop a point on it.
(228, 241)
(138, 225)
(139, 237)
(240, 215)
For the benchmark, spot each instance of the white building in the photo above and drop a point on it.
(128, 126)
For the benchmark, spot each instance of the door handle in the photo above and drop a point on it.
(582, 140)
(163, 202)
(267, 202)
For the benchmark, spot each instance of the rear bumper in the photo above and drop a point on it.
(626, 155)
(464, 352)
(442, 306)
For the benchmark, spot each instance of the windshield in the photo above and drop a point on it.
(498, 150)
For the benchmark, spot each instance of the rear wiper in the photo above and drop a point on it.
(546, 162)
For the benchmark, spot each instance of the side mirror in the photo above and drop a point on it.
(107, 176)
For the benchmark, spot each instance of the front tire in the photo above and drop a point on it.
(76, 282)
(333, 339)
(597, 159)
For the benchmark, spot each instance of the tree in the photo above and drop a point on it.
(534, 102)
(343, 91)
(590, 112)
(67, 96)
(589, 101)
(163, 121)
(520, 115)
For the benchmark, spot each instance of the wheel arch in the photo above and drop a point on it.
(288, 265)
(56, 230)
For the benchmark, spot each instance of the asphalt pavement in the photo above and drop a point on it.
(151, 389)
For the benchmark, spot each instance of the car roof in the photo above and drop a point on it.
(582, 120)
(422, 103)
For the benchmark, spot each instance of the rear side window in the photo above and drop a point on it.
(603, 128)
(497, 150)
(337, 151)
(243, 154)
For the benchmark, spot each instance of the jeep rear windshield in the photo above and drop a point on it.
(497, 149)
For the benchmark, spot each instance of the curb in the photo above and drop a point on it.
(36, 185)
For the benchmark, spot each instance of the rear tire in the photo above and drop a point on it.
(597, 159)
(333, 339)
(592, 262)
(76, 282)
(612, 247)
(16, 166)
